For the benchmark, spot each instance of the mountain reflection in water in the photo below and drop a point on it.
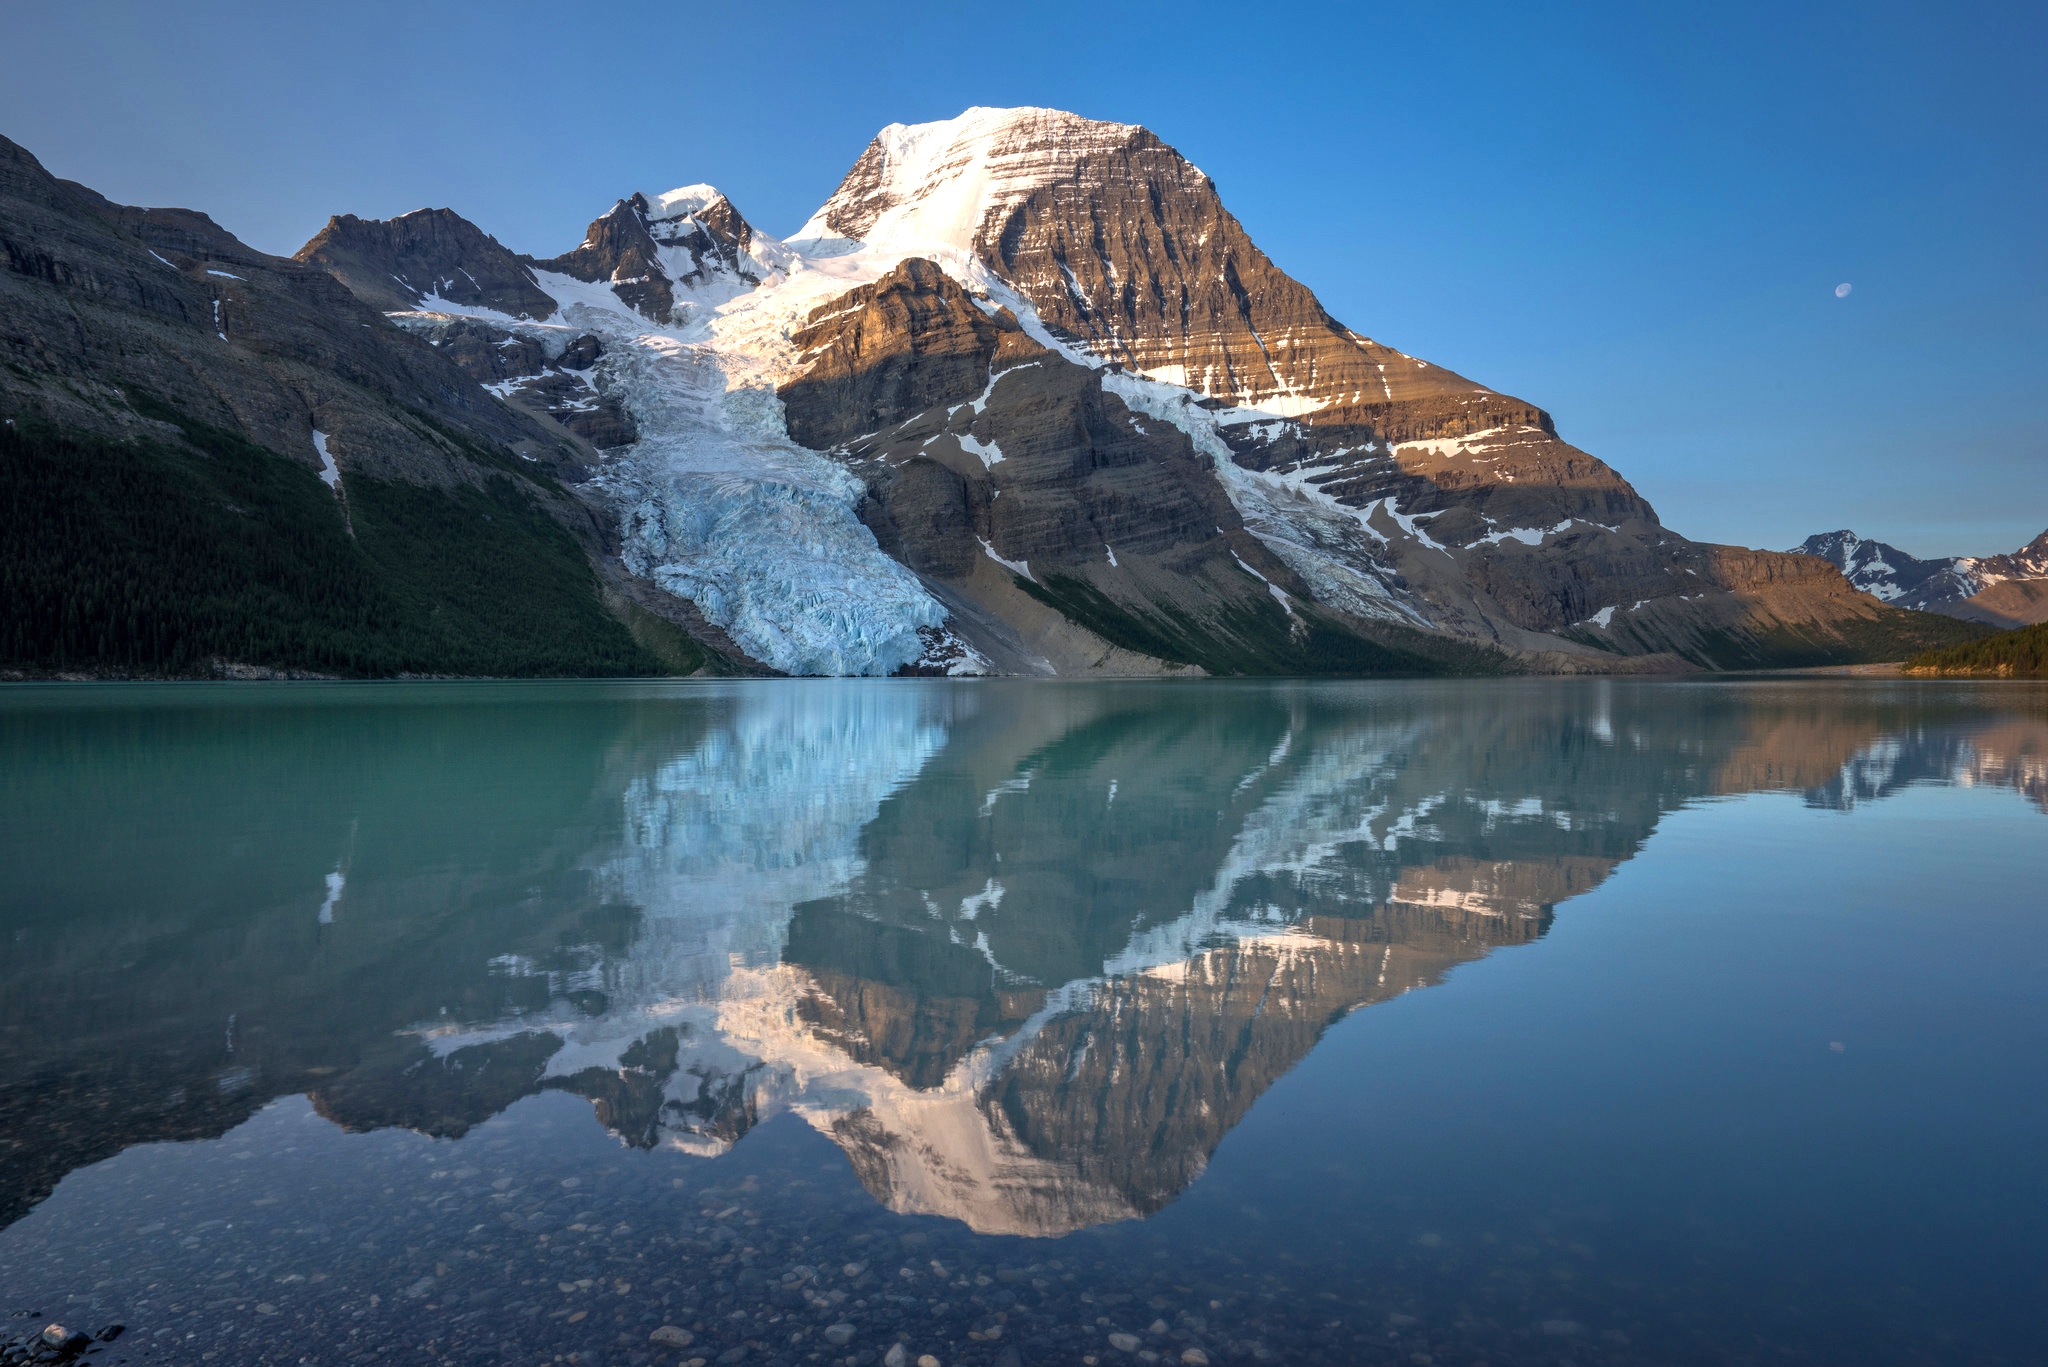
(1025, 952)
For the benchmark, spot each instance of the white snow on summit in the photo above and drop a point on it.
(940, 181)
(684, 199)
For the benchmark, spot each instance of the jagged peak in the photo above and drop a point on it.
(936, 183)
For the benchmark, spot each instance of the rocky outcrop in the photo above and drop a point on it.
(425, 256)
(517, 368)
(1006, 472)
(616, 250)
(704, 224)
(647, 248)
(885, 352)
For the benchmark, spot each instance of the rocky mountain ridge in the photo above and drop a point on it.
(2003, 591)
(220, 460)
(1378, 511)
(1021, 398)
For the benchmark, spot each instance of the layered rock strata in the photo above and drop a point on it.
(1003, 470)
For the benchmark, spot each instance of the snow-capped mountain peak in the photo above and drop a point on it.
(2003, 590)
(684, 199)
(937, 184)
(1888, 573)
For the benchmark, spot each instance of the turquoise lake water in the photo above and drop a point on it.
(1026, 1022)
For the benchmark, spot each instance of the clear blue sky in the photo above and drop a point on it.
(1635, 216)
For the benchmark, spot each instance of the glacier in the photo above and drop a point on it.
(716, 504)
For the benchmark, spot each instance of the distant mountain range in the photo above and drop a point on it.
(2000, 590)
(1021, 397)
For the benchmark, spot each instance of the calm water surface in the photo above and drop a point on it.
(1573, 1022)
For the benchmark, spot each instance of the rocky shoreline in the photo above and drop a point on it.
(54, 1342)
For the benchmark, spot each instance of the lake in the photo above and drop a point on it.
(1015, 1022)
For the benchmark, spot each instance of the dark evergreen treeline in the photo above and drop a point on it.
(2021, 654)
(157, 558)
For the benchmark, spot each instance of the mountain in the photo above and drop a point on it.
(1390, 487)
(1037, 362)
(1887, 572)
(217, 460)
(2000, 590)
(1022, 397)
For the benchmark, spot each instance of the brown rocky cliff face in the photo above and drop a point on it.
(887, 351)
(393, 264)
(1126, 247)
(976, 441)
(1133, 254)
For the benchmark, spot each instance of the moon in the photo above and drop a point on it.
(1842, 290)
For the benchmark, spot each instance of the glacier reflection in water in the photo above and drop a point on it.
(1024, 952)
(1031, 987)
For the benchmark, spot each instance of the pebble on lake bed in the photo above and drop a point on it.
(672, 1336)
(62, 1339)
